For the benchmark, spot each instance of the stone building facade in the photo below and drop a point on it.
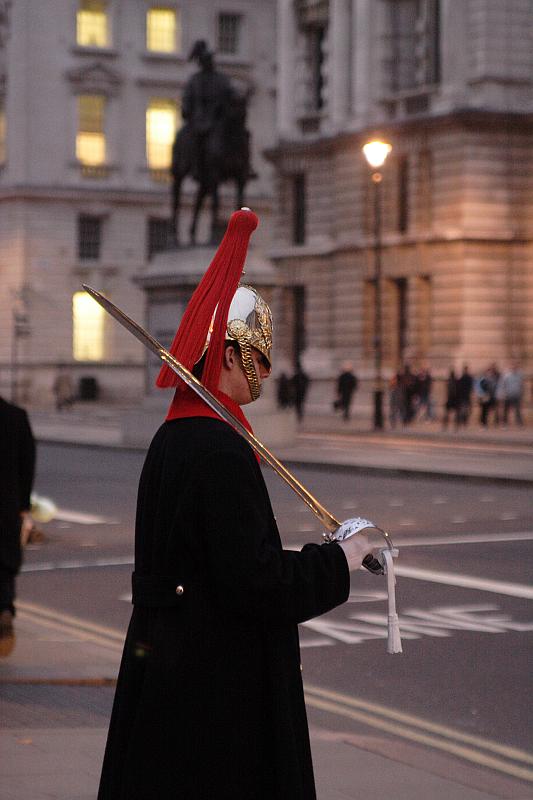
(449, 84)
(89, 102)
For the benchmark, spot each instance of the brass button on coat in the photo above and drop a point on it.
(179, 589)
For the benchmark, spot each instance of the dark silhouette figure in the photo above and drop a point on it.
(346, 386)
(424, 381)
(213, 146)
(299, 386)
(451, 405)
(486, 392)
(465, 385)
(284, 391)
(17, 467)
(410, 389)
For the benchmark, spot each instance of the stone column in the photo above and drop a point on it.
(286, 41)
(340, 71)
(362, 33)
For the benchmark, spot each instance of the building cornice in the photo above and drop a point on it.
(333, 248)
(105, 194)
(474, 119)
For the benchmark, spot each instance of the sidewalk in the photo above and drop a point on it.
(55, 696)
(504, 454)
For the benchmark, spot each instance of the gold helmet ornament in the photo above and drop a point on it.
(250, 325)
(221, 310)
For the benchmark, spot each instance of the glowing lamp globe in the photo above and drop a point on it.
(376, 153)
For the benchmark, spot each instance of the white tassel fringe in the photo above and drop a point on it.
(394, 641)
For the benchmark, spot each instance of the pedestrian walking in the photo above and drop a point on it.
(63, 390)
(299, 386)
(451, 405)
(424, 384)
(409, 384)
(209, 700)
(396, 399)
(465, 384)
(485, 388)
(347, 384)
(512, 386)
(17, 468)
(284, 391)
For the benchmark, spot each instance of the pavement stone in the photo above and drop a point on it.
(53, 750)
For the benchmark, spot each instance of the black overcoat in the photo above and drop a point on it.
(209, 702)
(17, 467)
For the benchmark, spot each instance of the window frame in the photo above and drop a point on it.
(170, 101)
(103, 132)
(178, 29)
(82, 241)
(109, 29)
(241, 16)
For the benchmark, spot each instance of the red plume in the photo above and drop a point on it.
(217, 287)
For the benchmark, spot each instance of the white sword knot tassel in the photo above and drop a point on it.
(350, 527)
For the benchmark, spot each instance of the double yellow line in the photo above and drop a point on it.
(483, 752)
(69, 625)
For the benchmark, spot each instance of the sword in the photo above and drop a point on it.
(330, 523)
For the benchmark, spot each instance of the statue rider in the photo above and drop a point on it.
(207, 95)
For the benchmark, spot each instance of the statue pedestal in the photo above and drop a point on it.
(168, 284)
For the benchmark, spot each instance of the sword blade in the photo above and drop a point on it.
(326, 518)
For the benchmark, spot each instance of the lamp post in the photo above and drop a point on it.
(20, 329)
(376, 153)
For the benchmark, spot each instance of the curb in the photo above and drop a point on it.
(294, 461)
(407, 472)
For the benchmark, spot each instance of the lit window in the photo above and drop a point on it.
(87, 328)
(229, 33)
(161, 122)
(2, 133)
(92, 27)
(90, 141)
(162, 30)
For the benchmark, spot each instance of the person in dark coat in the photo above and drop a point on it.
(17, 468)
(451, 405)
(346, 386)
(209, 700)
(299, 386)
(465, 384)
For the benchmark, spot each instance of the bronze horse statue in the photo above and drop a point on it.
(221, 154)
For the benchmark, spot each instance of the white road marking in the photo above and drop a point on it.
(349, 504)
(396, 502)
(48, 566)
(465, 581)
(507, 515)
(82, 518)
(438, 501)
(407, 523)
(464, 538)
(457, 520)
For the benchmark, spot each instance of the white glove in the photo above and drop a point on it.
(356, 548)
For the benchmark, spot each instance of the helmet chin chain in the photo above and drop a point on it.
(249, 370)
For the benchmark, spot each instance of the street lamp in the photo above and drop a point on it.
(376, 153)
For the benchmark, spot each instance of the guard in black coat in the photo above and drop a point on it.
(17, 467)
(209, 702)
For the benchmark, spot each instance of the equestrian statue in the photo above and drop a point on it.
(213, 145)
